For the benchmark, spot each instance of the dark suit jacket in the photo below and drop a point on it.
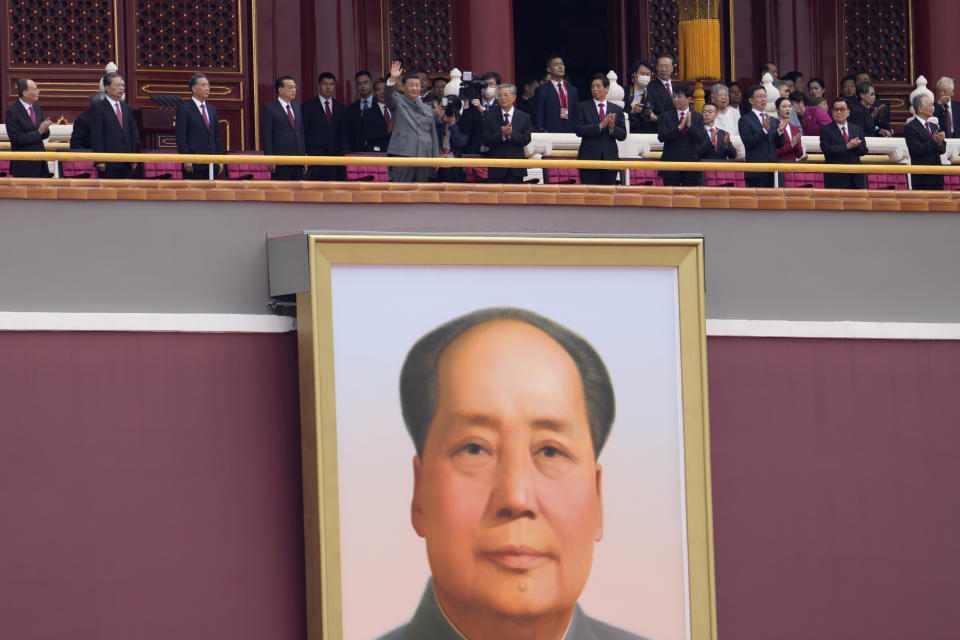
(24, 136)
(373, 130)
(324, 138)
(277, 137)
(940, 111)
(106, 135)
(546, 108)
(860, 116)
(193, 136)
(659, 98)
(594, 143)
(759, 145)
(725, 151)
(637, 123)
(80, 136)
(680, 146)
(354, 138)
(471, 123)
(835, 151)
(510, 148)
(924, 150)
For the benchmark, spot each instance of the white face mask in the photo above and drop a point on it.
(643, 80)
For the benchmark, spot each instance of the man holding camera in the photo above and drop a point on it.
(414, 131)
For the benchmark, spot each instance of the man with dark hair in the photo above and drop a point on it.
(760, 137)
(281, 129)
(80, 136)
(879, 110)
(507, 131)
(925, 142)
(438, 85)
(508, 412)
(358, 110)
(717, 145)
(27, 129)
(378, 121)
(491, 79)
(660, 88)
(681, 131)
(842, 142)
(528, 91)
(325, 128)
(113, 129)
(554, 100)
(424, 82)
(197, 130)
(860, 110)
(794, 79)
(414, 128)
(599, 124)
(767, 67)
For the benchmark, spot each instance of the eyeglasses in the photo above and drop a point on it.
(839, 109)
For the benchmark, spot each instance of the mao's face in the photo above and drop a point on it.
(508, 493)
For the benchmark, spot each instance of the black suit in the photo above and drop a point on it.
(325, 137)
(24, 136)
(107, 136)
(194, 136)
(512, 147)
(710, 151)
(471, 123)
(940, 111)
(355, 136)
(279, 138)
(680, 146)
(596, 144)
(659, 98)
(546, 108)
(760, 146)
(80, 136)
(835, 151)
(860, 116)
(924, 150)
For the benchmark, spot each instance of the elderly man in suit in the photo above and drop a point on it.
(947, 109)
(113, 129)
(926, 143)
(554, 100)
(760, 137)
(281, 129)
(197, 130)
(506, 131)
(660, 89)
(80, 136)
(717, 145)
(414, 128)
(325, 128)
(27, 129)
(599, 124)
(842, 142)
(681, 131)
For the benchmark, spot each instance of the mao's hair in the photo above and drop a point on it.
(418, 377)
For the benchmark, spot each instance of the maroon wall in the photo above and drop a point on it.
(150, 487)
(834, 482)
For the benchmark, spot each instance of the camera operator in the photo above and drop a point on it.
(414, 130)
(637, 100)
(452, 140)
(471, 119)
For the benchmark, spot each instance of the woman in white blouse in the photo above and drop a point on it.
(727, 116)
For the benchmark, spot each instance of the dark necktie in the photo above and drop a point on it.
(326, 107)
(562, 94)
(930, 129)
(293, 122)
(386, 116)
(669, 88)
(33, 116)
(203, 110)
(846, 138)
(506, 119)
(600, 107)
(947, 121)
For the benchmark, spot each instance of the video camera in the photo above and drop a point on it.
(470, 88)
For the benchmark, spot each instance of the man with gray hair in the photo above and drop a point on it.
(506, 131)
(27, 129)
(80, 136)
(946, 108)
(925, 144)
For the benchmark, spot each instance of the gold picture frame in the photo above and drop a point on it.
(322, 293)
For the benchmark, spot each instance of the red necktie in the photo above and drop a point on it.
(119, 115)
(947, 124)
(681, 116)
(563, 94)
(33, 116)
(326, 107)
(846, 138)
(716, 143)
(930, 129)
(386, 116)
(506, 119)
(763, 119)
(600, 106)
(203, 110)
(293, 122)
(669, 88)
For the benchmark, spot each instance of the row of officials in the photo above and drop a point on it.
(394, 116)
